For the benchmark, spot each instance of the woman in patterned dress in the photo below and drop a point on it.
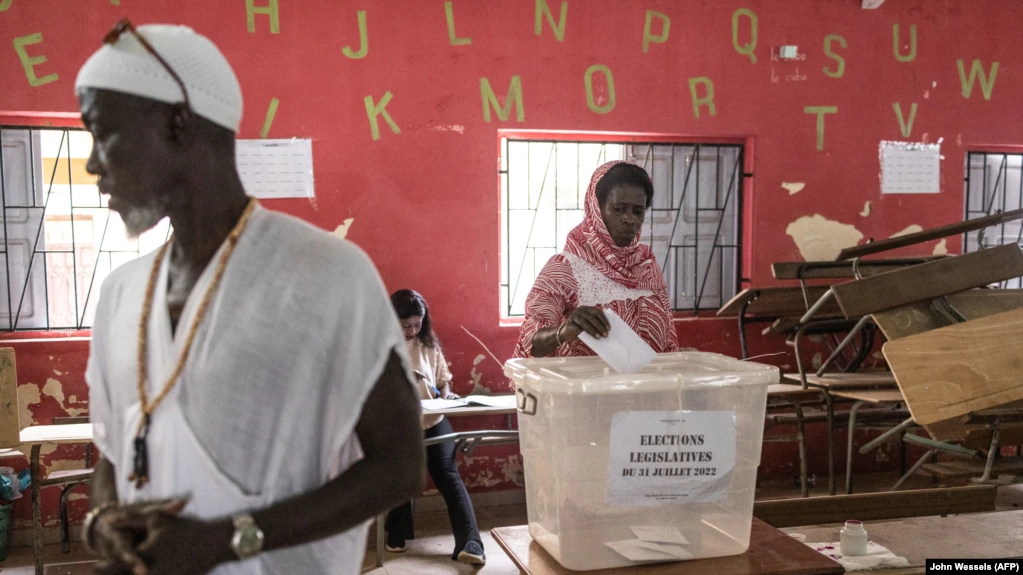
(603, 266)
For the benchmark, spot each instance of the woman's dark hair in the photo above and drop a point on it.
(408, 303)
(624, 175)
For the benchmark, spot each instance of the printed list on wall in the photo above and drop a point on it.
(670, 456)
(910, 168)
(272, 169)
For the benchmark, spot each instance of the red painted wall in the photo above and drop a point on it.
(425, 202)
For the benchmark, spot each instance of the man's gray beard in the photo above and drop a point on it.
(138, 220)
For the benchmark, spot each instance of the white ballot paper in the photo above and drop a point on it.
(622, 349)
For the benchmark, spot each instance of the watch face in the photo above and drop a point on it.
(248, 540)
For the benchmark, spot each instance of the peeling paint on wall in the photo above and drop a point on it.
(28, 394)
(910, 230)
(54, 389)
(821, 239)
(942, 248)
(793, 187)
(451, 128)
(866, 210)
(342, 230)
(512, 470)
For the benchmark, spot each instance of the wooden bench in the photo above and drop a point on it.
(841, 270)
(924, 282)
(876, 506)
(973, 467)
(860, 379)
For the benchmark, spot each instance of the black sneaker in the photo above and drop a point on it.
(395, 545)
(472, 554)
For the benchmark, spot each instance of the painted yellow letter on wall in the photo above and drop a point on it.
(542, 9)
(514, 98)
(706, 100)
(820, 111)
(904, 127)
(987, 83)
(609, 79)
(912, 43)
(363, 39)
(269, 119)
(648, 35)
(30, 62)
(449, 11)
(269, 10)
(748, 49)
(373, 111)
(5, 4)
(830, 54)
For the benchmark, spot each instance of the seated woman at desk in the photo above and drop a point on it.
(433, 381)
(603, 266)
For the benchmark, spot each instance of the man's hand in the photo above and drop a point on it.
(116, 544)
(446, 393)
(166, 543)
(178, 545)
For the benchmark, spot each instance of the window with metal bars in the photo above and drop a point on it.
(993, 184)
(693, 224)
(60, 240)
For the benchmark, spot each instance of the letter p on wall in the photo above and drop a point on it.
(648, 35)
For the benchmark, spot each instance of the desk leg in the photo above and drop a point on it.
(37, 515)
(849, 451)
(916, 466)
(381, 535)
(743, 346)
(831, 442)
(801, 435)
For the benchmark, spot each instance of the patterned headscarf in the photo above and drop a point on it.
(633, 266)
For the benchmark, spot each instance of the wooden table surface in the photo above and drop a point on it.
(874, 396)
(42, 434)
(469, 410)
(791, 388)
(859, 379)
(771, 552)
(997, 535)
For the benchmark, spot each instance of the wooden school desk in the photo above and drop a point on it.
(35, 437)
(771, 552)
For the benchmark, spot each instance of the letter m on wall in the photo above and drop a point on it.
(513, 99)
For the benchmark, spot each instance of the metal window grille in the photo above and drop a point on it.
(59, 238)
(693, 225)
(993, 184)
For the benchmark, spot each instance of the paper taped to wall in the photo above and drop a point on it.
(272, 169)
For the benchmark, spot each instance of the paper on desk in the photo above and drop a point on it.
(636, 550)
(622, 349)
(660, 534)
(877, 557)
(435, 404)
(506, 401)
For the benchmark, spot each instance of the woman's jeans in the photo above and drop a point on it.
(443, 468)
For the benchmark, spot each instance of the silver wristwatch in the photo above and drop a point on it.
(248, 537)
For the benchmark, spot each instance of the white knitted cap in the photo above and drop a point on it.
(126, 66)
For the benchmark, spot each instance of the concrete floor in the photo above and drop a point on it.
(429, 553)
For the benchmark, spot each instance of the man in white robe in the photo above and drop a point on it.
(281, 415)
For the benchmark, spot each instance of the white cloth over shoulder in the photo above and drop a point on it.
(293, 341)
